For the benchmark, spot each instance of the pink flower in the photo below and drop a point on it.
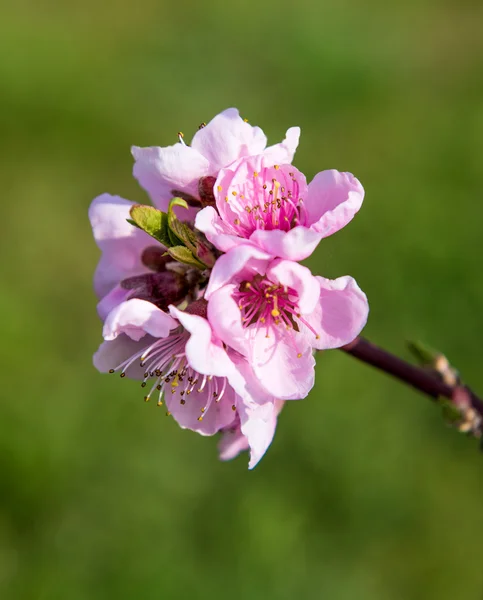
(275, 312)
(180, 170)
(131, 265)
(177, 355)
(270, 205)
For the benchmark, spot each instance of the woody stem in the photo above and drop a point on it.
(424, 380)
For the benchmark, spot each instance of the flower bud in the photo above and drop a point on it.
(205, 190)
(162, 289)
(155, 258)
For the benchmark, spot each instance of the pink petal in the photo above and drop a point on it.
(137, 317)
(205, 354)
(226, 138)
(116, 296)
(162, 170)
(216, 416)
(284, 368)
(238, 177)
(251, 391)
(225, 319)
(121, 243)
(239, 263)
(291, 274)
(283, 153)
(232, 442)
(296, 244)
(333, 200)
(112, 353)
(340, 315)
(215, 229)
(258, 423)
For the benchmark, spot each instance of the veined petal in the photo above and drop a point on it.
(292, 275)
(226, 138)
(340, 314)
(284, 369)
(239, 262)
(232, 442)
(162, 170)
(258, 423)
(296, 244)
(115, 297)
(333, 200)
(115, 352)
(284, 152)
(205, 354)
(121, 243)
(225, 319)
(187, 410)
(216, 230)
(137, 318)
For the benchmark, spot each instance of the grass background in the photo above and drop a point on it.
(364, 493)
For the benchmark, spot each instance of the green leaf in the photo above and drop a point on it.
(184, 255)
(131, 222)
(173, 238)
(182, 232)
(153, 221)
(177, 202)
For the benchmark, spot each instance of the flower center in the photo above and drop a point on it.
(168, 371)
(269, 199)
(263, 302)
(266, 304)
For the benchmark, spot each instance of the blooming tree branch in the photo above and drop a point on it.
(203, 298)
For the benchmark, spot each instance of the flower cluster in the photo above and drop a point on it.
(203, 298)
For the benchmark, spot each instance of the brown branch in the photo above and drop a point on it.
(424, 380)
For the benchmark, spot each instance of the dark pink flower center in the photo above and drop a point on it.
(269, 199)
(268, 304)
(167, 370)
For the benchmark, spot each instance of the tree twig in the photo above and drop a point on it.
(424, 380)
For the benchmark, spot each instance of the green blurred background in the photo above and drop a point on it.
(364, 493)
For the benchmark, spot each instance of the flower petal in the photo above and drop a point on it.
(291, 274)
(115, 297)
(333, 200)
(225, 319)
(137, 317)
(340, 315)
(283, 152)
(283, 369)
(121, 243)
(241, 261)
(258, 423)
(216, 230)
(232, 442)
(187, 410)
(163, 171)
(205, 354)
(113, 353)
(296, 244)
(226, 138)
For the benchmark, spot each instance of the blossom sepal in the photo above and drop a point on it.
(182, 242)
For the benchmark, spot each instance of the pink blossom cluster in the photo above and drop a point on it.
(224, 348)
